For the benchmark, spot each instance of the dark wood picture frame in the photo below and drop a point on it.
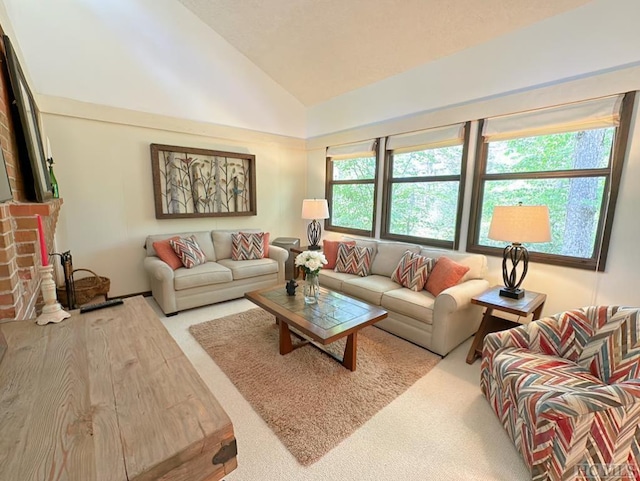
(190, 182)
(28, 134)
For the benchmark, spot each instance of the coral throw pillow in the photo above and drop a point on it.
(188, 251)
(354, 260)
(446, 273)
(246, 247)
(330, 250)
(412, 271)
(166, 253)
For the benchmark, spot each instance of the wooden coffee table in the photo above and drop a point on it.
(334, 316)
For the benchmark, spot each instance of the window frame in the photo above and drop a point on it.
(329, 183)
(612, 174)
(388, 181)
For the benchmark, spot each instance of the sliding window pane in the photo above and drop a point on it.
(425, 163)
(588, 149)
(424, 209)
(362, 168)
(352, 206)
(574, 210)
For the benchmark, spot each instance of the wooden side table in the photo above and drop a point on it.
(531, 303)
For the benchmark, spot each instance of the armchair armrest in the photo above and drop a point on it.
(601, 398)
(540, 336)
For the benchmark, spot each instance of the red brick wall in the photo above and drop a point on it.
(19, 251)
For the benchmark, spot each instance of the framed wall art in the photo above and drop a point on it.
(190, 182)
(30, 149)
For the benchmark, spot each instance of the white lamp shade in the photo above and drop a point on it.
(315, 209)
(520, 223)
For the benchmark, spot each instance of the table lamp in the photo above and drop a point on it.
(518, 224)
(314, 209)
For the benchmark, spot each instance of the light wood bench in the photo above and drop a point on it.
(107, 395)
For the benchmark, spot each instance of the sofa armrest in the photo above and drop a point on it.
(579, 403)
(161, 281)
(280, 255)
(459, 296)
(158, 269)
(454, 317)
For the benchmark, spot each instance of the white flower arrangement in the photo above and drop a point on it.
(311, 262)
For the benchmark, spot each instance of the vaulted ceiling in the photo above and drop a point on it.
(318, 49)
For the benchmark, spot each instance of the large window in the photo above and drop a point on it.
(424, 174)
(351, 187)
(568, 158)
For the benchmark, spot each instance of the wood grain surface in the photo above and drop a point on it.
(106, 395)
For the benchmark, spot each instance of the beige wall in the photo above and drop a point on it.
(566, 288)
(103, 166)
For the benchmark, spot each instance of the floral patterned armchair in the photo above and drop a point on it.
(567, 390)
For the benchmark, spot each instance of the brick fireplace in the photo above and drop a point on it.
(19, 253)
(20, 256)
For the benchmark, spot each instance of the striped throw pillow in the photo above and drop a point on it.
(354, 260)
(245, 246)
(412, 271)
(188, 250)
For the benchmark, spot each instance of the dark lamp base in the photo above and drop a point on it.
(512, 293)
(314, 248)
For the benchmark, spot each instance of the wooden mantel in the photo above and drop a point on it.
(107, 395)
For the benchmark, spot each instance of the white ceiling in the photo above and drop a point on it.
(319, 49)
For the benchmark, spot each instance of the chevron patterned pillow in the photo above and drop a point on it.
(412, 271)
(354, 260)
(246, 246)
(189, 252)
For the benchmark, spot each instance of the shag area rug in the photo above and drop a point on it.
(308, 399)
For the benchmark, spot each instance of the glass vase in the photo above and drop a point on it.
(311, 289)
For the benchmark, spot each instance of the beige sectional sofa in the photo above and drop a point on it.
(218, 279)
(437, 323)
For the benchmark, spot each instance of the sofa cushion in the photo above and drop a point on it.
(221, 241)
(477, 263)
(417, 305)
(412, 271)
(247, 246)
(445, 274)
(389, 255)
(369, 289)
(202, 237)
(166, 253)
(354, 259)
(250, 268)
(333, 280)
(330, 250)
(360, 242)
(189, 252)
(205, 274)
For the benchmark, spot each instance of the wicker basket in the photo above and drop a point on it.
(86, 288)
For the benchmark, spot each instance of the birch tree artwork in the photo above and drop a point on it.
(190, 182)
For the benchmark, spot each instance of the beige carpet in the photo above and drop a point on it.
(310, 401)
